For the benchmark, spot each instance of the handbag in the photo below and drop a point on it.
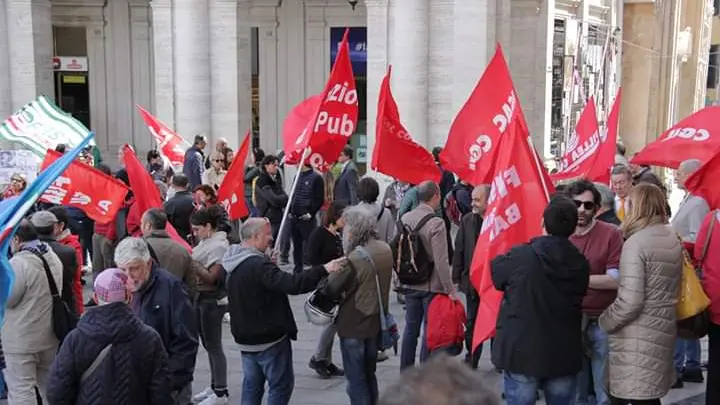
(63, 320)
(389, 332)
(693, 304)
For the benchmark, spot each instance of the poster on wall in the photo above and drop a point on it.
(23, 162)
(357, 39)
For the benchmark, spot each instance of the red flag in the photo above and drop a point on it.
(695, 137)
(514, 215)
(605, 158)
(146, 193)
(81, 186)
(392, 141)
(171, 145)
(234, 183)
(583, 146)
(296, 123)
(335, 119)
(471, 147)
(703, 182)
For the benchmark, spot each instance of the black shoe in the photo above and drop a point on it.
(678, 384)
(90, 303)
(320, 368)
(335, 371)
(693, 376)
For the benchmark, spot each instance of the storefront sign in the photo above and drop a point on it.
(70, 63)
(358, 47)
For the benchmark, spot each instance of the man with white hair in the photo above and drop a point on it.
(686, 222)
(606, 211)
(160, 300)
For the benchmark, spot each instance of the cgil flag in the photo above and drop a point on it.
(171, 145)
(582, 147)
(234, 183)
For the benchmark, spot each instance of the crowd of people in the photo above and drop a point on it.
(588, 315)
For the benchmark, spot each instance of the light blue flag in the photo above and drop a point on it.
(13, 210)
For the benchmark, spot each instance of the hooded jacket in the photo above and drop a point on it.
(134, 372)
(539, 323)
(257, 293)
(270, 197)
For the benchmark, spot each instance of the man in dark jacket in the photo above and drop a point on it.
(269, 194)
(538, 342)
(467, 236)
(307, 200)
(261, 320)
(193, 165)
(606, 212)
(160, 300)
(346, 184)
(44, 223)
(130, 362)
(179, 208)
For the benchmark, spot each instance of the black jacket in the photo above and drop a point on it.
(467, 236)
(178, 210)
(346, 185)
(164, 304)
(270, 198)
(134, 372)
(539, 324)
(257, 293)
(309, 194)
(609, 217)
(70, 265)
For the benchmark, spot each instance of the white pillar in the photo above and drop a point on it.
(5, 96)
(30, 50)
(224, 101)
(409, 20)
(192, 67)
(440, 68)
(244, 72)
(268, 87)
(164, 63)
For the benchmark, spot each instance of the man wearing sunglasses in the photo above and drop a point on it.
(601, 243)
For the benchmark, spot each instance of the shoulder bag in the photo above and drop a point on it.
(63, 319)
(389, 333)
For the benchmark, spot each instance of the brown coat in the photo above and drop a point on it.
(434, 238)
(174, 258)
(641, 321)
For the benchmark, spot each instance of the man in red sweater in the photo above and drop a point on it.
(64, 237)
(601, 243)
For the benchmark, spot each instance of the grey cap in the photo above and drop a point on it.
(43, 219)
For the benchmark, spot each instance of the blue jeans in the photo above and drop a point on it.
(598, 341)
(274, 365)
(687, 355)
(522, 390)
(416, 306)
(360, 362)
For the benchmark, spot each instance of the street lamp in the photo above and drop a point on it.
(353, 3)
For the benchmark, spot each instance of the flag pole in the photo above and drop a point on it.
(538, 167)
(304, 156)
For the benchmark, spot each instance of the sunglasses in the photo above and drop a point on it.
(588, 205)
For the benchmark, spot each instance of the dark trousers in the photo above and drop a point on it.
(300, 231)
(416, 306)
(617, 401)
(473, 357)
(360, 362)
(275, 228)
(712, 391)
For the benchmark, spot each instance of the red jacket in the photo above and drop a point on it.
(710, 264)
(445, 323)
(68, 239)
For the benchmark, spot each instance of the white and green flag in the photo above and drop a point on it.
(41, 125)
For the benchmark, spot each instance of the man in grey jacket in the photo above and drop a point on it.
(28, 339)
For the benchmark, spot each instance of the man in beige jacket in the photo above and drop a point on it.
(28, 339)
(418, 296)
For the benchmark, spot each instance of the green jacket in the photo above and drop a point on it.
(410, 201)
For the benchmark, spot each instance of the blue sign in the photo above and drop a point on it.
(357, 39)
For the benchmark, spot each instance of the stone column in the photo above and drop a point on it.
(224, 66)
(5, 95)
(244, 73)
(440, 68)
(30, 50)
(409, 20)
(377, 61)
(163, 63)
(268, 87)
(192, 67)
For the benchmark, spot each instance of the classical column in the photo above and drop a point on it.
(244, 72)
(30, 50)
(409, 20)
(377, 61)
(224, 102)
(5, 96)
(192, 67)
(440, 69)
(163, 62)
(268, 87)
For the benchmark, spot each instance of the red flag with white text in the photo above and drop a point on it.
(170, 144)
(146, 192)
(605, 158)
(82, 186)
(296, 122)
(230, 194)
(472, 144)
(334, 120)
(695, 137)
(517, 199)
(395, 153)
(582, 147)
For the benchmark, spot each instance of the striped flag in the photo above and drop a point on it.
(41, 125)
(13, 210)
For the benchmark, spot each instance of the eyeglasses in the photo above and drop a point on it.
(588, 205)
(218, 160)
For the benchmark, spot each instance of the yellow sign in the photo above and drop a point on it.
(72, 79)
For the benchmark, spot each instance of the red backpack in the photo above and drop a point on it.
(445, 324)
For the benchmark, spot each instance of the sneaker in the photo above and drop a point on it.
(382, 356)
(320, 368)
(213, 399)
(206, 393)
(335, 371)
(693, 376)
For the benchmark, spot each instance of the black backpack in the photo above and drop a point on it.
(411, 261)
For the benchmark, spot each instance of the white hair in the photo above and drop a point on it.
(689, 166)
(360, 224)
(251, 227)
(131, 249)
